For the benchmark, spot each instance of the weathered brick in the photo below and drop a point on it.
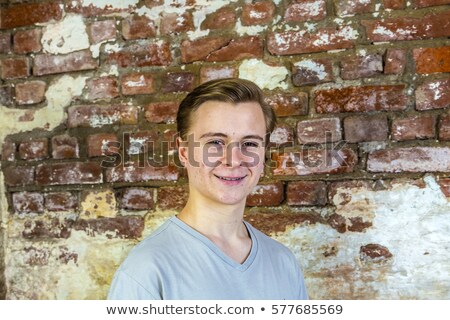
(43, 229)
(395, 61)
(267, 195)
(361, 67)
(89, 9)
(306, 10)
(361, 99)
(444, 183)
(223, 18)
(127, 227)
(102, 30)
(6, 95)
(444, 127)
(28, 202)
(102, 144)
(345, 8)
(69, 173)
(8, 151)
(172, 22)
(315, 161)
(35, 257)
(282, 135)
(289, 104)
(258, 13)
(432, 60)
(429, 3)
(132, 172)
(137, 199)
(18, 176)
(414, 159)
(26, 41)
(406, 28)
(374, 253)
(27, 14)
(366, 128)
(102, 88)
(97, 116)
(158, 112)
(13, 68)
(5, 42)
(65, 255)
(65, 147)
(221, 49)
(138, 27)
(152, 141)
(273, 223)
(137, 83)
(75, 61)
(34, 149)
(309, 71)
(208, 73)
(319, 130)
(30, 92)
(172, 197)
(178, 82)
(433, 94)
(61, 201)
(137, 55)
(340, 192)
(98, 203)
(394, 4)
(298, 42)
(414, 127)
(307, 193)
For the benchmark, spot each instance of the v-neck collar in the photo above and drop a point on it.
(215, 249)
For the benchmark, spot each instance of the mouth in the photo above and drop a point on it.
(230, 178)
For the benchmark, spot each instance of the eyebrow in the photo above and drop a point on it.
(219, 134)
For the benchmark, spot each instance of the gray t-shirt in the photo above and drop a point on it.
(176, 263)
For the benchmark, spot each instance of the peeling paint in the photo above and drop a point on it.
(317, 68)
(265, 76)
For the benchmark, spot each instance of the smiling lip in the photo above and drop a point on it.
(230, 179)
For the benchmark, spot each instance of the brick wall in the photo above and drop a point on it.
(357, 181)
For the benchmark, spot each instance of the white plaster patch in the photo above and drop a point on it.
(317, 68)
(265, 76)
(250, 30)
(383, 31)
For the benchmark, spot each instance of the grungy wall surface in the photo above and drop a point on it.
(357, 182)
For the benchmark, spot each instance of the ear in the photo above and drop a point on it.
(182, 151)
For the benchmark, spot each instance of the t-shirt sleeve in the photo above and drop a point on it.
(124, 287)
(303, 293)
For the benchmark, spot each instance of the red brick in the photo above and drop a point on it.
(159, 112)
(282, 135)
(172, 197)
(150, 141)
(267, 195)
(221, 49)
(258, 13)
(26, 41)
(361, 99)
(345, 8)
(273, 223)
(27, 14)
(433, 94)
(44, 229)
(13, 68)
(137, 199)
(406, 28)
(34, 149)
(308, 71)
(102, 144)
(30, 92)
(28, 202)
(306, 10)
(314, 161)
(374, 252)
(208, 73)
(102, 88)
(6, 95)
(174, 23)
(97, 116)
(444, 127)
(102, 30)
(344, 189)
(394, 4)
(61, 201)
(414, 127)
(307, 193)
(395, 61)
(297, 42)
(319, 130)
(5, 42)
(138, 27)
(132, 172)
(69, 173)
(289, 104)
(366, 128)
(178, 82)
(223, 18)
(428, 3)
(137, 83)
(432, 60)
(65, 147)
(8, 151)
(75, 61)
(444, 183)
(127, 227)
(361, 67)
(414, 159)
(18, 176)
(153, 54)
(78, 6)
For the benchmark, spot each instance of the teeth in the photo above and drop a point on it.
(230, 179)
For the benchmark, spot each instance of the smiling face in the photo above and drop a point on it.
(224, 156)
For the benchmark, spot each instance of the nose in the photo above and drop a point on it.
(233, 155)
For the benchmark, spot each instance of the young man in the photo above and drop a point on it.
(207, 251)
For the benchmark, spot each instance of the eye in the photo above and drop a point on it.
(250, 144)
(215, 143)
